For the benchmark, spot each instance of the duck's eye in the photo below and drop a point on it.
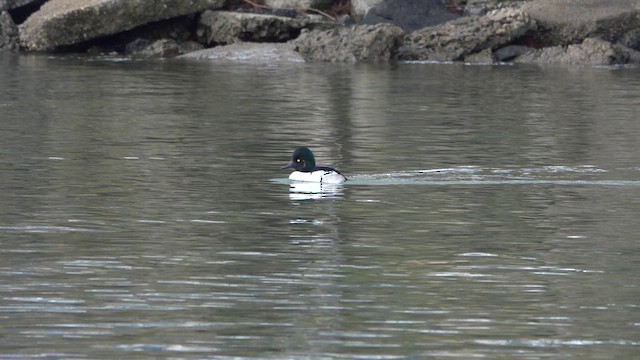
(298, 160)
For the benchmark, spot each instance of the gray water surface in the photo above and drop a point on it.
(491, 212)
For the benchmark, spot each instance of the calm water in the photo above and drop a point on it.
(492, 211)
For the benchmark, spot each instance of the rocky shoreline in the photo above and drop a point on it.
(586, 32)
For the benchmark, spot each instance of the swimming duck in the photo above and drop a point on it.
(304, 164)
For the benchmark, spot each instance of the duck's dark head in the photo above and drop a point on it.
(301, 160)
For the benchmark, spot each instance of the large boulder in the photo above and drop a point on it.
(226, 27)
(571, 21)
(591, 51)
(67, 22)
(458, 39)
(412, 15)
(365, 43)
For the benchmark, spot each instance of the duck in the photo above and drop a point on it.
(304, 164)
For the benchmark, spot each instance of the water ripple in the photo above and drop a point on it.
(45, 229)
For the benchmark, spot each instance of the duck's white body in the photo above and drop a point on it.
(318, 176)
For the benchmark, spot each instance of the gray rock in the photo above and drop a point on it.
(483, 57)
(474, 11)
(360, 7)
(591, 51)
(461, 38)
(364, 43)
(163, 48)
(248, 52)
(158, 49)
(226, 27)
(631, 39)
(345, 19)
(12, 4)
(510, 52)
(633, 55)
(412, 15)
(571, 21)
(8, 33)
(488, 5)
(66, 22)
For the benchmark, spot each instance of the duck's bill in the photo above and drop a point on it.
(288, 166)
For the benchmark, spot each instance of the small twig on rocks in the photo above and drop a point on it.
(257, 5)
(321, 13)
(260, 6)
